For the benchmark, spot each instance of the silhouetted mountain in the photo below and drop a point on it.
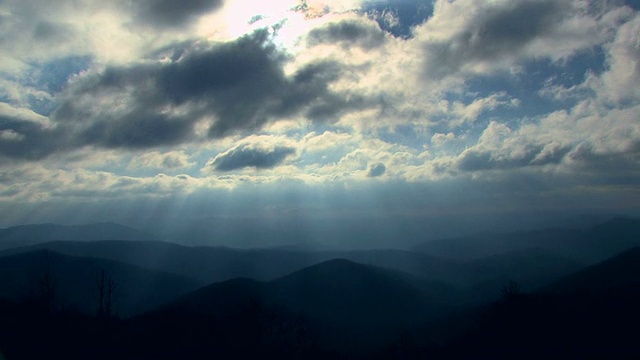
(483, 278)
(33, 234)
(73, 280)
(620, 270)
(598, 325)
(591, 313)
(358, 306)
(221, 297)
(357, 291)
(592, 245)
(351, 305)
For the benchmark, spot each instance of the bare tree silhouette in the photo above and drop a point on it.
(104, 292)
(510, 291)
(44, 286)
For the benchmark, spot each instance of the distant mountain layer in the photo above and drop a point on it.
(592, 245)
(73, 282)
(33, 234)
(532, 267)
(206, 264)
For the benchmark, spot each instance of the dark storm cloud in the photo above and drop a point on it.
(501, 32)
(237, 86)
(29, 140)
(348, 33)
(139, 129)
(534, 155)
(247, 156)
(244, 84)
(172, 13)
(377, 170)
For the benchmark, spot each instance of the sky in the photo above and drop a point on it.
(357, 123)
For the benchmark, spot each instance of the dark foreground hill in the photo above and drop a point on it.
(622, 270)
(590, 314)
(349, 305)
(336, 304)
(532, 268)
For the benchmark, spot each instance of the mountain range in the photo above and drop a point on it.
(324, 301)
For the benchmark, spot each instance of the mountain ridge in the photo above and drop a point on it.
(31, 234)
(593, 244)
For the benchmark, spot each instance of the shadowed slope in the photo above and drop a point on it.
(74, 281)
(620, 270)
(352, 306)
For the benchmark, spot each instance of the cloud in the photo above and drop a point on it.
(623, 73)
(204, 91)
(155, 159)
(606, 168)
(500, 148)
(531, 155)
(582, 139)
(376, 170)
(494, 33)
(440, 139)
(231, 87)
(349, 33)
(35, 182)
(26, 139)
(138, 129)
(461, 112)
(480, 37)
(10, 135)
(168, 13)
(245, 156)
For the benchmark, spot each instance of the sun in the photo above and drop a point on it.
(287, 20)
(238, 18)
